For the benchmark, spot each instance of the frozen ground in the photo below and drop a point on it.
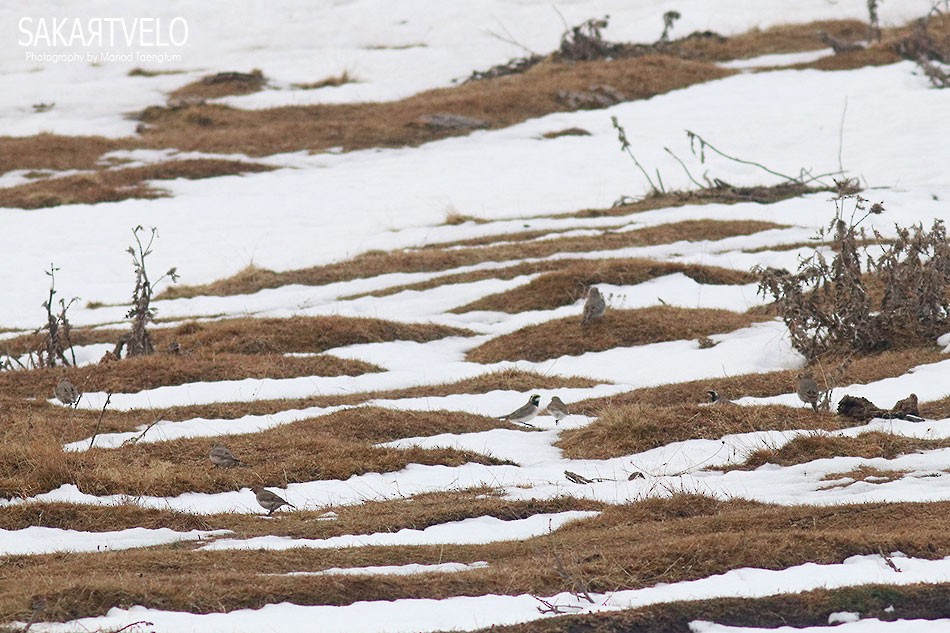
(323, 208)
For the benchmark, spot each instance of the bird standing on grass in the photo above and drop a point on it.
(66, 392)
(594, 307)
(715, 398)
(221, 457)
(270, 501)
(808, 389)
(558, 409)
(525, 413)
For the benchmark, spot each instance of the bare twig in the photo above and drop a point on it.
(887, 560)
(844, 111)
(625, 146)
(685, 168)
(128, 626)
(105, 404)
(135, 440)
(508, 38)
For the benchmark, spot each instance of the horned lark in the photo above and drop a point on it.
(715, 398)
(270, 501)
(220, 456)
(66, 392)
(808, 389)
(558, 409)
(526, 413)
(595, 306)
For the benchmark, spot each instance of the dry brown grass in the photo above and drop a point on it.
(618, 328)
(634, 428)
(859, 370)
(630, 546)
(220, 85)
(335, 446)
(867, 474)
(715, 195)
(809, 447)
(568, 282)
(375, 263)
(112, 185)
(263, 336)
(301, 334)
(149, 372)
(501, 102)
(52, 151)
(328, 82)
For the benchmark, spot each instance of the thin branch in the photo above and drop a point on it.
(703, 143)
(135, 440)
(683, 165)
(92, 440)
(625, 146)
(509, 38)
(841, 135)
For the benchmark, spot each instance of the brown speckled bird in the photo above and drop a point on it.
(808, 389)
(594, 307)
(558, 409)
(270, 501)
(221, 457)
(66, 392)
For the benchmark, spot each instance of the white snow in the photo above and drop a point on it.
(46, 540)
(466, 532)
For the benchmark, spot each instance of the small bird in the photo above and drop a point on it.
(525, 413)
(270, 501)
(66, 392)
(558, 409)
(715, 398)
(808, 389)
(594, 307)
(222, 457)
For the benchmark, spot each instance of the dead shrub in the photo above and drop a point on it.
(827, 306)
(138, 342)
(585, 42)
(928, 47)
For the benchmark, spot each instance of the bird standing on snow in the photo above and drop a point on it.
(526, 413)
(595, 306)
(808, 389)
(558, 409)
(66, 392)
(270, 501)
(222, 457)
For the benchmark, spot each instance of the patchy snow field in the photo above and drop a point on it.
(885, 124)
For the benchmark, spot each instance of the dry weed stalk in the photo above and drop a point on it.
(56, 340)
(827, 306)
(874, 25)
(138, 342)
(584, 42)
